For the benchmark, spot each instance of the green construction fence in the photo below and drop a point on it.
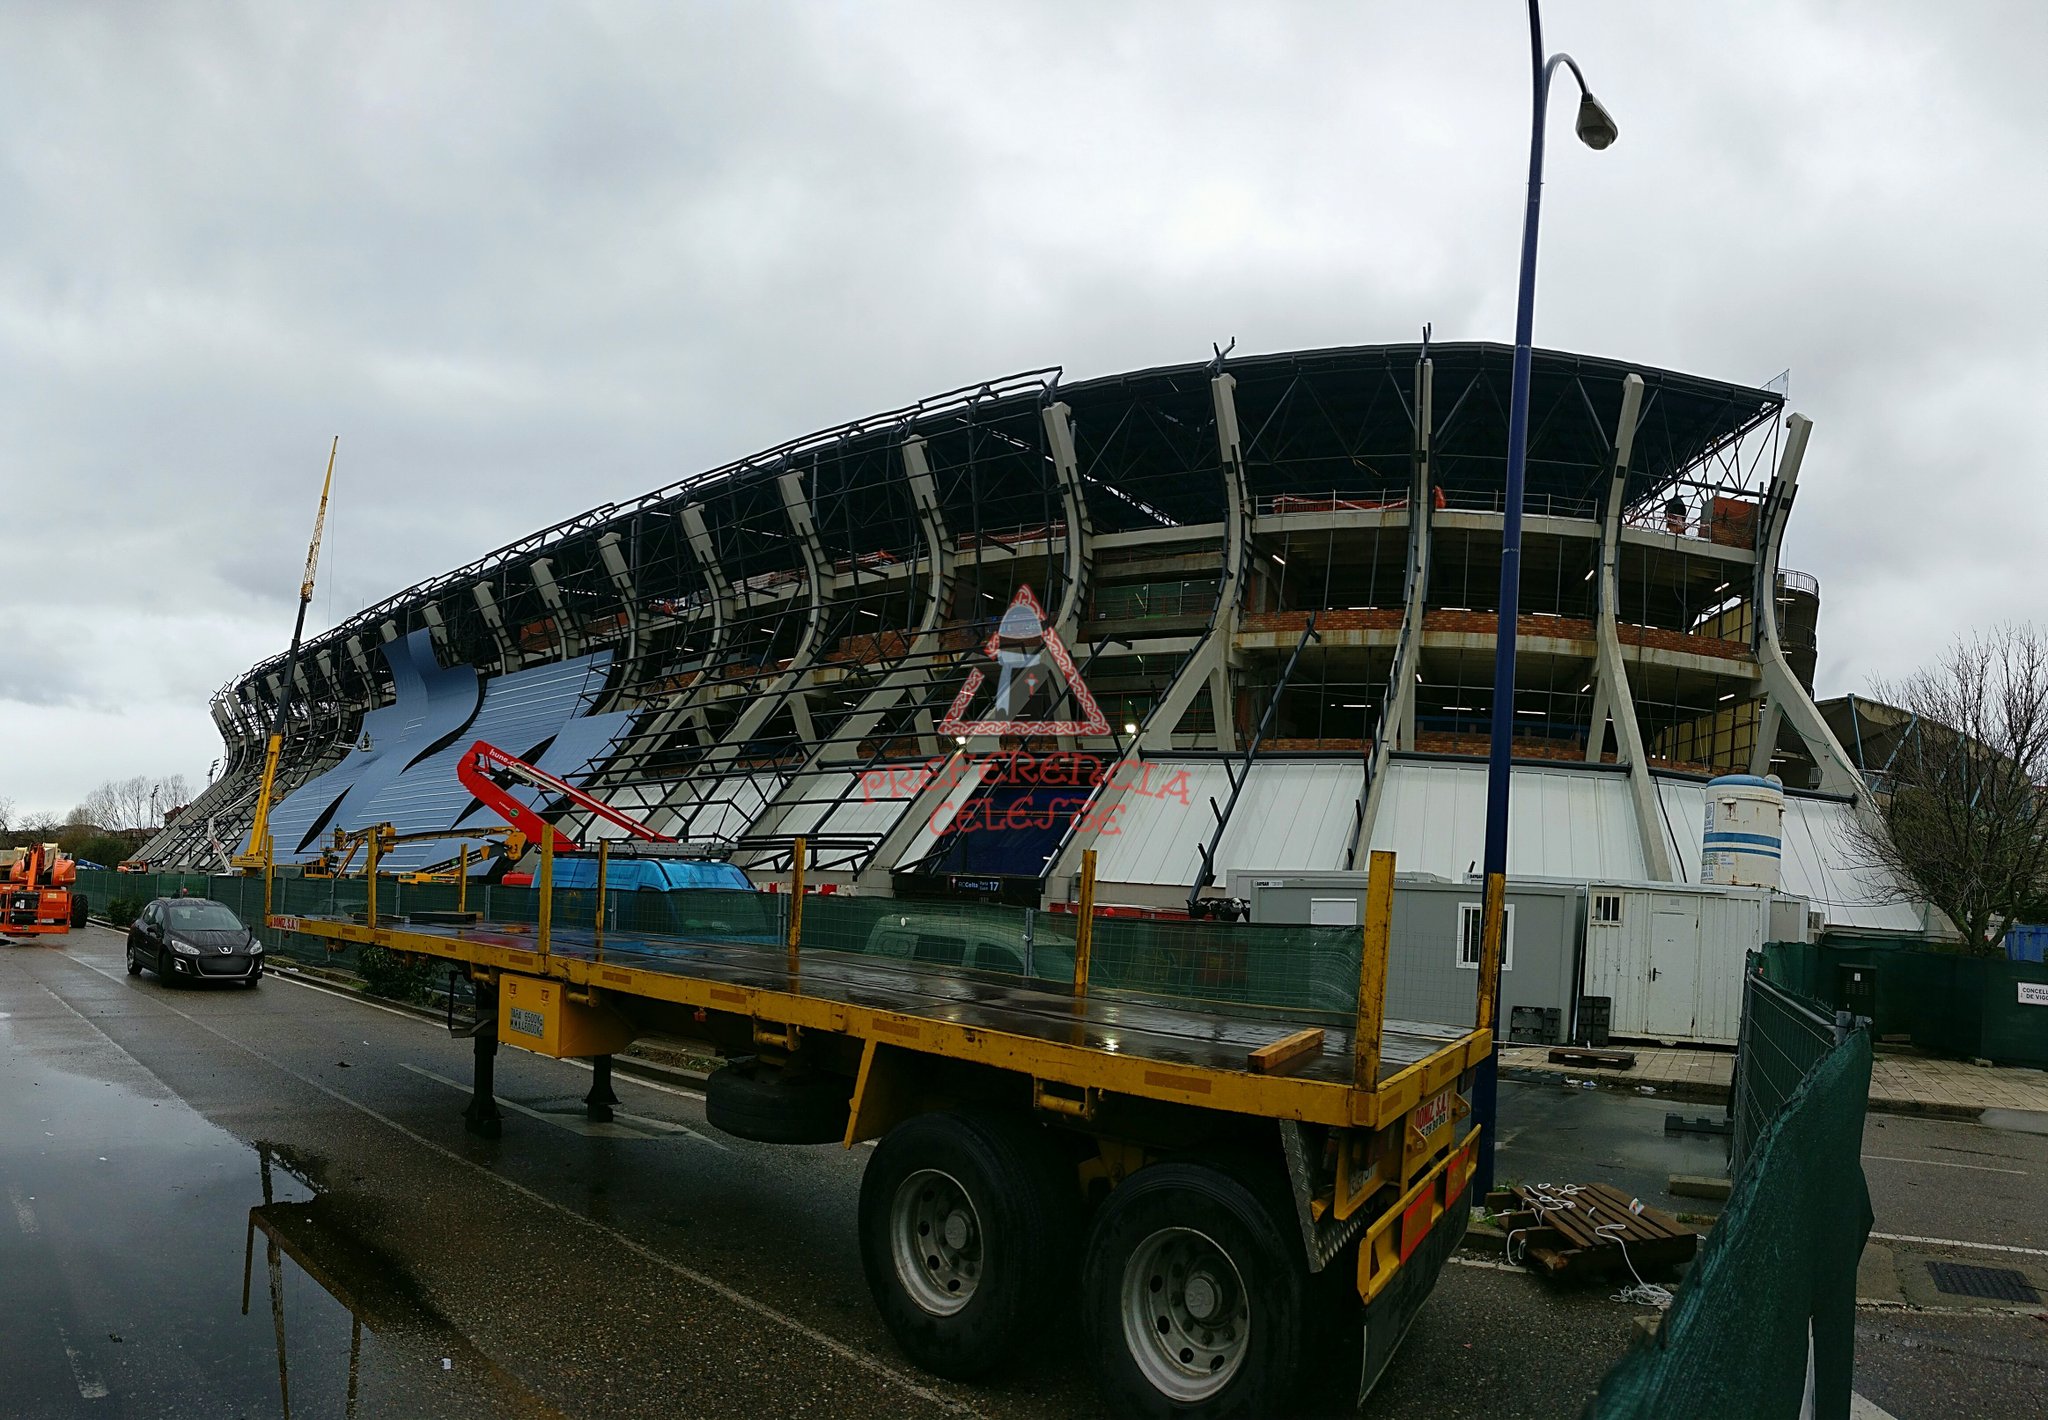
(1947, 1002)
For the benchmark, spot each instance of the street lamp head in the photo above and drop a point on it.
(1596, 124)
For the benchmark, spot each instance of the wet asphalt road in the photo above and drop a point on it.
(157, 1146)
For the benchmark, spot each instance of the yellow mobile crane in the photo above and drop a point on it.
(255, 857)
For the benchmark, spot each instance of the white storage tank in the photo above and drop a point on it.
(1743, 845)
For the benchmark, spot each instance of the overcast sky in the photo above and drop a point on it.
(525, 259)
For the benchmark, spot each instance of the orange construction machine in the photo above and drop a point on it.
(35, 891)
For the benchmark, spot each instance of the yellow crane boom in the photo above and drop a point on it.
(253, 857)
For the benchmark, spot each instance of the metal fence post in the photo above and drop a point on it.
(370, 877)
(604, 858)
(1084, 927)
(796, 899)
(1370, 1023)
(1030, 924)
(546, 908)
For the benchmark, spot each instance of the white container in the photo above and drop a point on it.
(1669, 958)
(1743, 845)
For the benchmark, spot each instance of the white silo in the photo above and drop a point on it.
(1743, 845)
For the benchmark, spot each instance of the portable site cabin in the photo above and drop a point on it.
(1583, 962)
(1433, 965)
(1663, 961)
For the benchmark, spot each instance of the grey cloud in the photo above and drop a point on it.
(526, 261)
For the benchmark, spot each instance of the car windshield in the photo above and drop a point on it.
(199, 915)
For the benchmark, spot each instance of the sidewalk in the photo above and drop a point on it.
(1899, 1084)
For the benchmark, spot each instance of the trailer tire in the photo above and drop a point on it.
(1194, 1298)
(752, 1101)
(988, 1194)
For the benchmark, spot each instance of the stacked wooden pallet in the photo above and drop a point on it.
(1588, 1230)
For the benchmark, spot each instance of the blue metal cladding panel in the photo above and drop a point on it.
(581, 746)
(432, 701)
(522, 713)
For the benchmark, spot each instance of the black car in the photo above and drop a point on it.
(194, 939)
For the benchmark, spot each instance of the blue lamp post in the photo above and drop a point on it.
(1596, 130)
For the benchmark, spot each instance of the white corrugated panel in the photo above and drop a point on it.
(1822, 863)
(1292, 814)
(1562, 823)
(871, 807)
(728, 806)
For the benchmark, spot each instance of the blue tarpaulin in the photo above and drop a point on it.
(2026, 943)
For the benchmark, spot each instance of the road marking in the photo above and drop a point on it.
(297, 980)
(1861, 1409)
(1958, 1242)
(618, 1076)
(1943, 1164)
(90, 1386)
(589, 1127)
(23, 1214)
(628, 1077)
(875, 1367)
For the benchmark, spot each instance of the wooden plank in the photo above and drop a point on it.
(1606, 1059)
(1286, 1052)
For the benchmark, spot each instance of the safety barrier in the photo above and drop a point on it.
(1766, 1320)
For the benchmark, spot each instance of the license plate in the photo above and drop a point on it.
(1432, 1112)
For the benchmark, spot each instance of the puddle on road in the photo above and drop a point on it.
(154, 1263)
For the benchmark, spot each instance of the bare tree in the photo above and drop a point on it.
(1966, 819)
(6, 814)
(137, 802)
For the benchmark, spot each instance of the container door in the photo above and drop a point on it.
(1674, 967)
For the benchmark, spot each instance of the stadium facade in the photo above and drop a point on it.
(1267, 587)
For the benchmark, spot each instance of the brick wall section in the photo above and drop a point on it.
(1483, 623)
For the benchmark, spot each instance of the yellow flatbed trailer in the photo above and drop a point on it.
(1214, 1185)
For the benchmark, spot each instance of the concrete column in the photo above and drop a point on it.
(438, 628)
(609, 550)
(1612, 697)
(1397, 717)
(567, 637)
(1080, 542)
(487, 607)
(1788, 698)
(1208, 664)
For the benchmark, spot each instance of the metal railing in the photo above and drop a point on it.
(1781, 1039)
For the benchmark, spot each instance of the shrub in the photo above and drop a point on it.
(397, 976)
(122, 911)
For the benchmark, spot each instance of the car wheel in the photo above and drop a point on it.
(163, 967)
(134, 966)
(255, 980)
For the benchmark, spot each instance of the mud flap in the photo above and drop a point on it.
(1390, 1314)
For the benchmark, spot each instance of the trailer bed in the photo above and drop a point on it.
(1212, 1035)
(927, 1007)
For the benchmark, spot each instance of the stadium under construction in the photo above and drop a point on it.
(1235, 614)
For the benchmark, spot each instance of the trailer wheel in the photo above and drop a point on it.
(967, 1226)
(1193, 1297)
(751, 1101)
